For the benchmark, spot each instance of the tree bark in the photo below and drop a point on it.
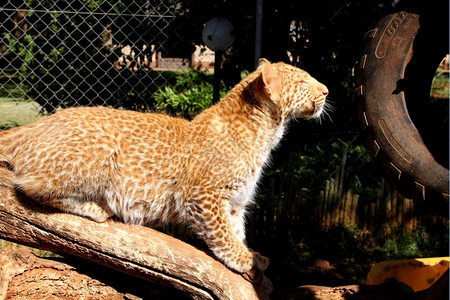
(134, 250)
(26, 276)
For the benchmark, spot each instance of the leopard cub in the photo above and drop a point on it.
(150, 169)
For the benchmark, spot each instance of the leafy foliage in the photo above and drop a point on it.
(23, 47)
(314, 162)
(389, 243)
(191, 94)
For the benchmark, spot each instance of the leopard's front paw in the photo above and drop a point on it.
(261, 262)
(255, 275)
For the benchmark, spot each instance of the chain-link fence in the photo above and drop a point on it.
(56, 54)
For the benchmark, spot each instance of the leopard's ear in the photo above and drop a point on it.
(270, 81)
(262, 61)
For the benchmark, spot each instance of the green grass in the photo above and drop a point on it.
(15, 108)
(37, 252)
(440, 86)
(18, 112)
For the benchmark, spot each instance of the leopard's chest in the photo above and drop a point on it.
(240, 190)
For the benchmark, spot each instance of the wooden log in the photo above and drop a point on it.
(330, 204)
(325, 206)
(388, 200)
(346, 214)
(366, 216)
(372, 220)
(318, 209)
(334, 200)
(336, 184)
(24, 275)
(378, 207)
(340, 193)
(400, 208)
(409, 214)
(394, 205)
(354, 209)
(135, 250)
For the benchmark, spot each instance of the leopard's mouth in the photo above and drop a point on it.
(313, 111)
(318, 106)
(317, 110)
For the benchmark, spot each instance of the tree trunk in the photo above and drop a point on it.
(134, 250)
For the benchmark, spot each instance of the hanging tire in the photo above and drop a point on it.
(394, 78)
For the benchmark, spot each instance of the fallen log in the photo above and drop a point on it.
(23, 275)
(134, 250)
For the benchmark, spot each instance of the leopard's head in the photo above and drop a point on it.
(295, 92)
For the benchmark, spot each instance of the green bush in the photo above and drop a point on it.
(191, 94)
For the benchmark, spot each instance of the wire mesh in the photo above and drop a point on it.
(56, 54)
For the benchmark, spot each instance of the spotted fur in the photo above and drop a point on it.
(151, 168)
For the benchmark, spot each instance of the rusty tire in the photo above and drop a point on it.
(394, 75)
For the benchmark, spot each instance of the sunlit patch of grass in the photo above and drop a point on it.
(440, 86)
(37, 252)
(15, 113)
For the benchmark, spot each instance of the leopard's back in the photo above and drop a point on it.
(101, 155)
